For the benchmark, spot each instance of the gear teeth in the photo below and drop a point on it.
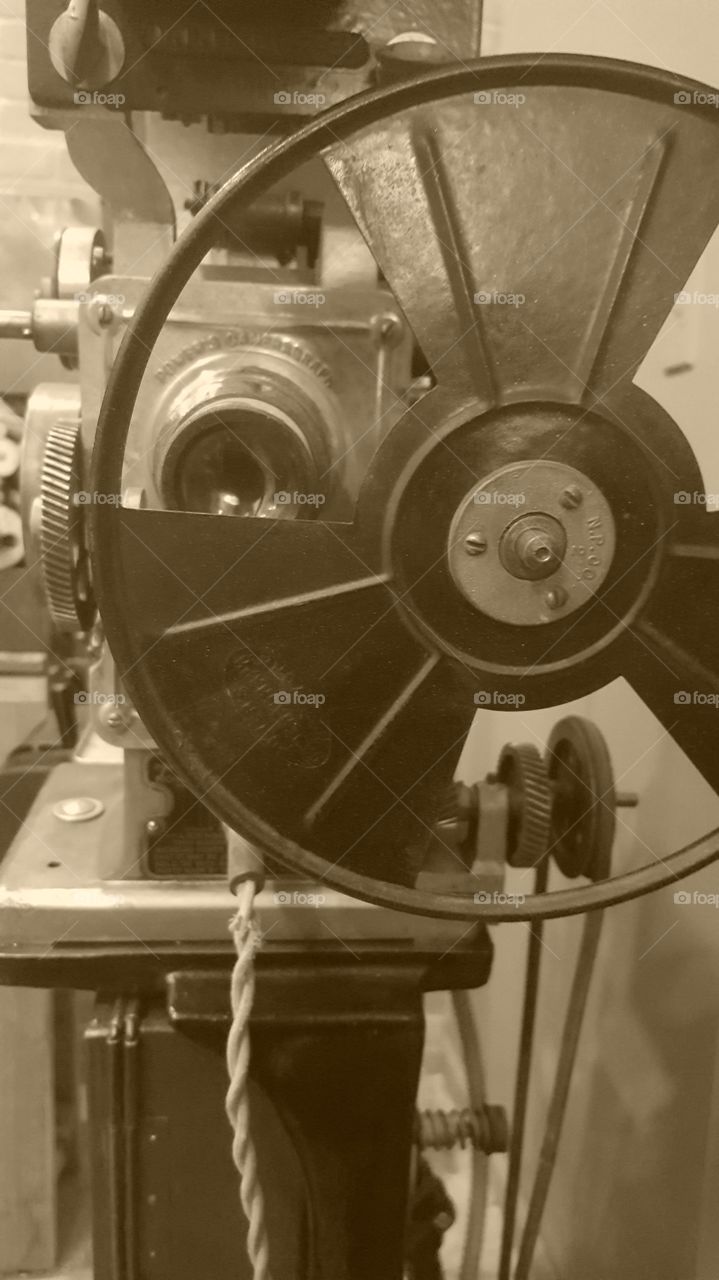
(60, 547)
(523, 769)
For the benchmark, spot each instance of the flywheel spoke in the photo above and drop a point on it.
(325, 688)
(535, 236)
(192, 572)
(673, 655)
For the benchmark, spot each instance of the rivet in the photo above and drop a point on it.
(78, 809)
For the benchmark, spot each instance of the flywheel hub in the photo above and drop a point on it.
(532, 542)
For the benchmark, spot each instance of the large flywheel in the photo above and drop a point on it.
(519, 530)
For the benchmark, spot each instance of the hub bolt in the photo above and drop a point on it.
(475, 544)
(571, 497)
(556, 598)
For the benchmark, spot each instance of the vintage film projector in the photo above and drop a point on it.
(315, 500)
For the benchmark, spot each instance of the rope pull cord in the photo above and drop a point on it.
(246, 878)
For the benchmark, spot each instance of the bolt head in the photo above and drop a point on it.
(571, 497)
(556, 598)
(388, 328)
(475, 544)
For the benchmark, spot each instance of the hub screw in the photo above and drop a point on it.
(556, 598)
(475, 544)
(571, 497)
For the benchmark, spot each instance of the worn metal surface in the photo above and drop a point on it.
(71, 883)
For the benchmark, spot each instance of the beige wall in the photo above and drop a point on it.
(630, 1199)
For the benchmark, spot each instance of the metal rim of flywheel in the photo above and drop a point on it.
(248, 183)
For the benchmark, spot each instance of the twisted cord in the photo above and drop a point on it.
(247, 939)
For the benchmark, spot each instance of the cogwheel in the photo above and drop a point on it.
(63, 554)
(523, 770)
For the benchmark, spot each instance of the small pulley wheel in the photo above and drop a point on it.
(583, 816)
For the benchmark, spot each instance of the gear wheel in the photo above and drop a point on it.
(63, 555)
(524, 772)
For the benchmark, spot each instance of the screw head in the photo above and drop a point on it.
(571, 497)
(387, 327)
(556, 598)
(475, 544)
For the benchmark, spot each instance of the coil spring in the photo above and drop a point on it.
(486, 1129)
